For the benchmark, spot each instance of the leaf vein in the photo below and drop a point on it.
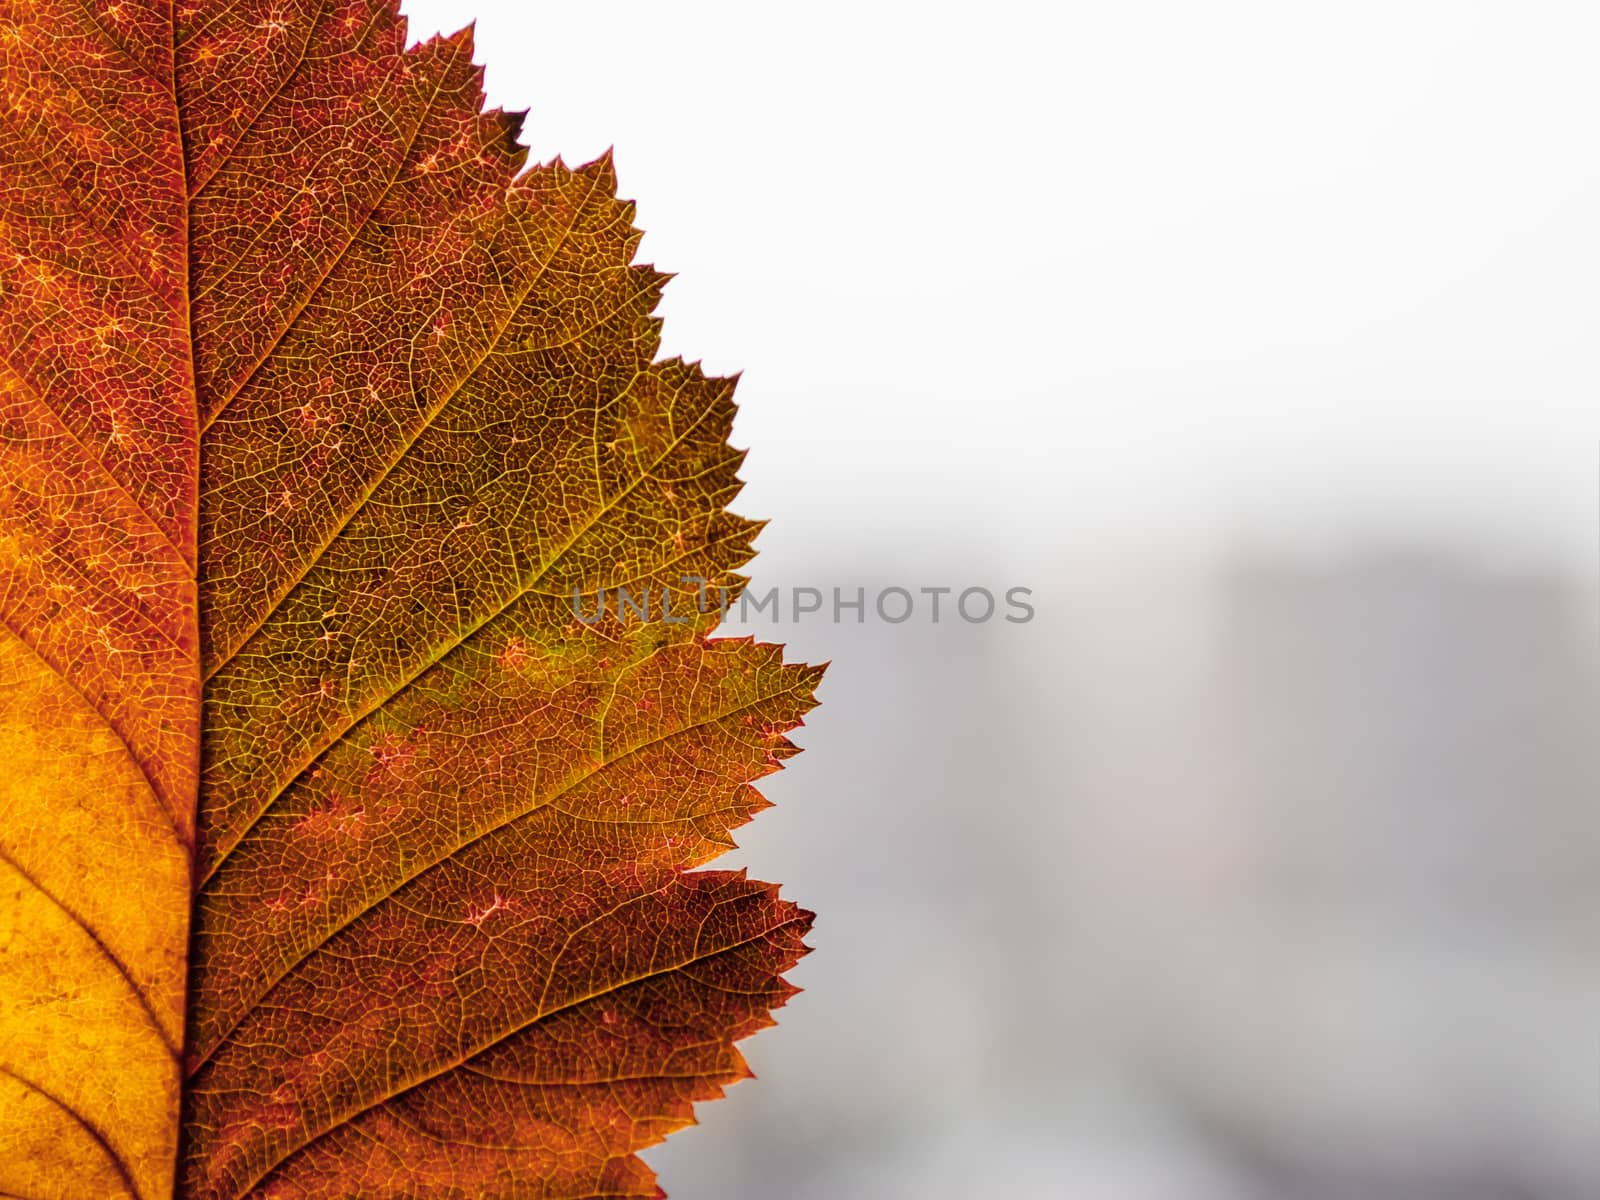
(453, 643)
(473, 837)
(83, 1123)
(162, 802)
(99, 944)
(361, 502)
(336, 1121)
(355, 234)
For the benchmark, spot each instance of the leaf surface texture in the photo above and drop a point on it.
(337, 856)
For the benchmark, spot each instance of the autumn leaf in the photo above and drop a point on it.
(337, 856)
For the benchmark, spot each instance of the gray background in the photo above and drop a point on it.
(1258, 339)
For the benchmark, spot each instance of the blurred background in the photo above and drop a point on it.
(1258, 340)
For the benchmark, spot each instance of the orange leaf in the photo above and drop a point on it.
(338, 857)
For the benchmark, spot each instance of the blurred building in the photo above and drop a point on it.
(1273, 880)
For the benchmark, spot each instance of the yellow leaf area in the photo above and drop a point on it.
(337, 856)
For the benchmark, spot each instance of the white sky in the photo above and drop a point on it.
(1069, 275)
